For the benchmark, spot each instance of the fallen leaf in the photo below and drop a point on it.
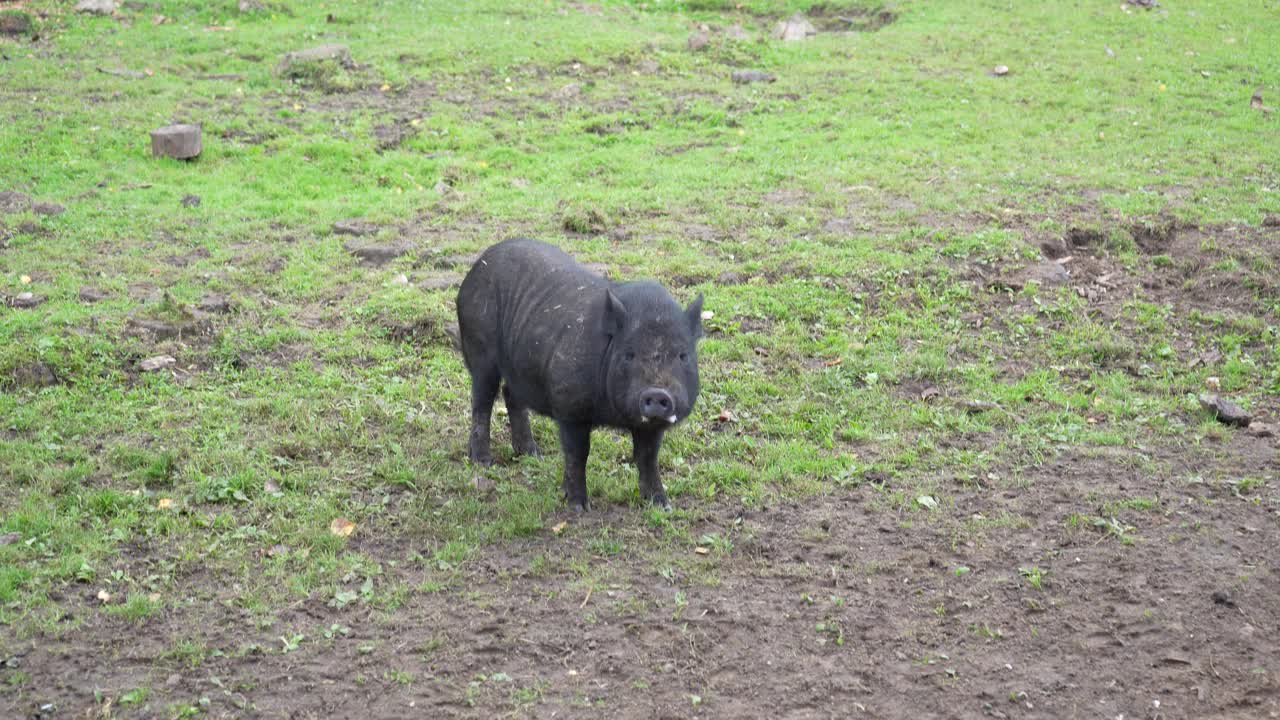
(929, 393)
(833, 363)
(104, 596)
(342, 527)
(727, 416)
(926, 501)
(25, 279)
(385, 87)
(165, 503)
(154, 597)
(559, 527)
(701, 550)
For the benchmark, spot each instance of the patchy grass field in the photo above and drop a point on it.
(949, 459)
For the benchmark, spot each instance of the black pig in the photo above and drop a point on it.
(566, 343)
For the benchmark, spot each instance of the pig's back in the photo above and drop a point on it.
(538, 310)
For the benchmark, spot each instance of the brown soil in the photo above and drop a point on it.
(828, 608)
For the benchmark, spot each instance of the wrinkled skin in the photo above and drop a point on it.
(566, 343)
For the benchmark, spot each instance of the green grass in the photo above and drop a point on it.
(603, 133)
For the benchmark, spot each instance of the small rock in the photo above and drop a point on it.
(1221, 597)
(294, 62)
(1046, 274)
(97, 7)
(1227, 412)
(1262, 430)
(92, 295)
(176, 141)
(14, 23)
(26, 300)
(14, 202)
(10, 538)
(354, 227)
(699, 41)
(191, 201)
(378, 253)
(154, 364)
(483, 484)
(797, 27)
(1000, 70)
(443, 188)
(218, 304)
(745, 77)
(48, 209)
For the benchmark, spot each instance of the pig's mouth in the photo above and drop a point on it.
(659, 420)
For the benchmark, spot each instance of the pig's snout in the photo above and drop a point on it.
(657, 403)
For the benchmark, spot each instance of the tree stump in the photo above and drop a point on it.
(176, 141)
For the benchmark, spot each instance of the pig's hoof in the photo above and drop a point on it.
(531, 449)
(660, 502)
(482, 460)
(578, 507)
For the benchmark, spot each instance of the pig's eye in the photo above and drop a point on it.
(684, 357)
(630, 356)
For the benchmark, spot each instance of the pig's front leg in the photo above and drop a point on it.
(575, 442)
(645, 445)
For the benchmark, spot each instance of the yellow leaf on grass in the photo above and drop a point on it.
(701, 550)
(165, 503)
(385, 88)
(559, 527)
(104, 596)
(26, 279)
(342, 527)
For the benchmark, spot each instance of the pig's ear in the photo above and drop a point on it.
(694, 314)
(615, 314)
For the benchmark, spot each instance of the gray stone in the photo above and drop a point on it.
(796, 27)
(295, 60)
(213, 303)
(378, 253)
(26, 300)
(1227, 412)
(745, 77)
(14, 202)
(1045, 274)
(97, 7)
(354, 227)
(1262, 430)
(191, 201)
(46, 208)
(176, 141)
(92, 295)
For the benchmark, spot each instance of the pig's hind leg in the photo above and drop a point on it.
(575, 441)
(484, 390)
(521, 434)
